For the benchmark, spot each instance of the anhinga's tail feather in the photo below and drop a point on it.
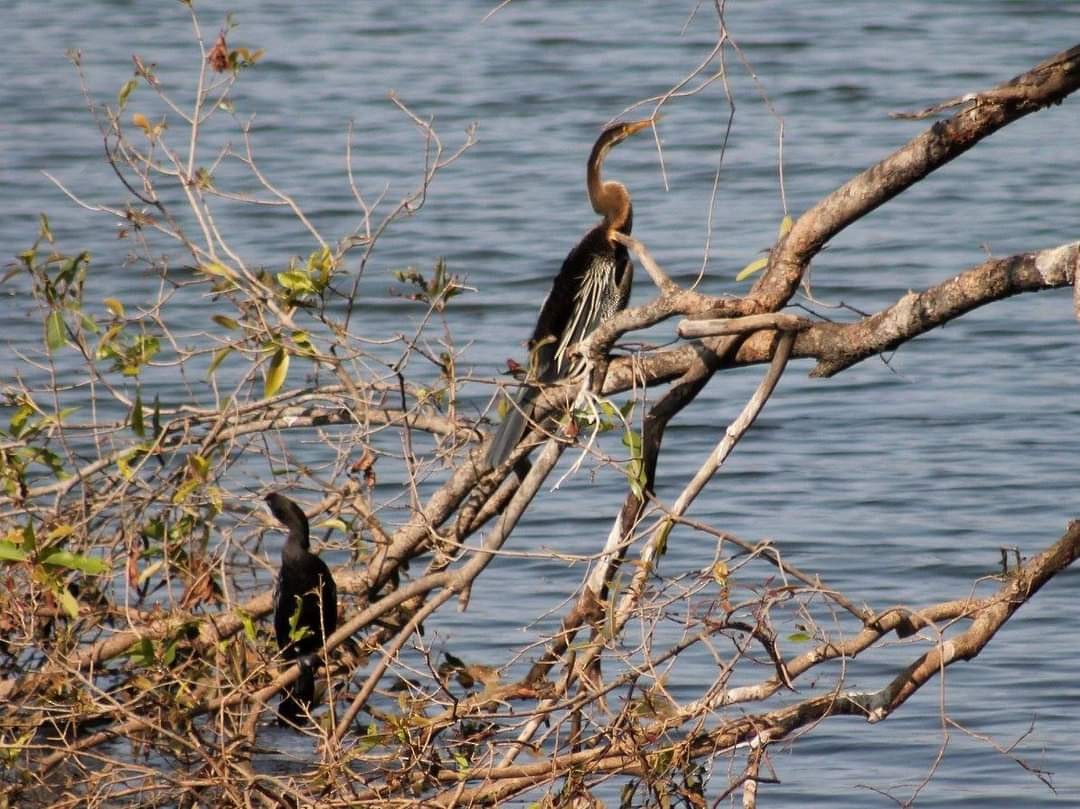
(513, 426)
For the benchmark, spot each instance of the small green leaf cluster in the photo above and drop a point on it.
(58, 281)
(436, 292)
(50, 563)
(311, 278)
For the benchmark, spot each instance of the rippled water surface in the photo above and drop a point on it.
(897, 483)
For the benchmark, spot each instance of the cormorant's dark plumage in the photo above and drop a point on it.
(592, 286)
(306, 579)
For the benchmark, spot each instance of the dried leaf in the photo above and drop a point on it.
(132, 567)
(366, 465)
(218, 58)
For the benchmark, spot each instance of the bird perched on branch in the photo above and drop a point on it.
(592, 286)
(305, 605)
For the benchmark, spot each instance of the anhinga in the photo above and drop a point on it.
(592, 286)
(304, 582)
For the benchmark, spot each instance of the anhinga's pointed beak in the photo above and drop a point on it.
(617, 133)
(633, 127)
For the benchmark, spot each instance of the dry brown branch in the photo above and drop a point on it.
(838, 346)
(1047, 83)
(760, 730)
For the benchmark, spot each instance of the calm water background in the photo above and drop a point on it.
(895, 484)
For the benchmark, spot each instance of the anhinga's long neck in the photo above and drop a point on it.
(611, 200)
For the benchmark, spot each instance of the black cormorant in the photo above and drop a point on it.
(304, 580)
(592, 286)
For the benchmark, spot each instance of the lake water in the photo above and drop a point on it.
(897, 483)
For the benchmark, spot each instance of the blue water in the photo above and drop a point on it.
(896, 483)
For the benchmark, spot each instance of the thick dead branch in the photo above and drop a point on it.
(840, 345)
(1046, 84)
(1027, 87)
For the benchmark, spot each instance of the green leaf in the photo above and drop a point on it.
(11, 553)
(799, 637)
(29, 538)
(635, 470)
(225, 322)
(88, 323)
(125, 91)
(68, 602)
(140, 353)
(757, 265)
(51, 460)
(296, 281)
(55, 333)
(185, 489)
(10, 753)
(219, 355)
(123, 463)
(662, 536)
(333, 522)
(156, 421)
(785, 226)
(71, 267)
(18, 421)
(60, 417)
(60, 532)
(218, 269)
(73, 561)
(249, 625)
(296, 632)
(275, 374)
(303, 340)
(199, 465)
(137, 425)
(142, 652)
